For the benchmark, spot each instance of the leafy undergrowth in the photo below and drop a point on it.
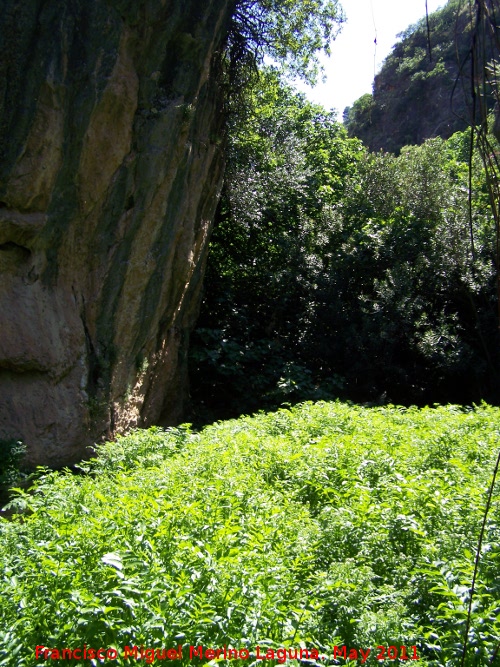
(327, 525)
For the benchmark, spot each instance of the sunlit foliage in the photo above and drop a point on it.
(319, 526)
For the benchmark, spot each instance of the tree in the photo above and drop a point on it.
(409, 309)
(337, 272)
(290, 32)
(288, 169)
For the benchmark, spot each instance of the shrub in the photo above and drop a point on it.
(322, 525)
(11, 455)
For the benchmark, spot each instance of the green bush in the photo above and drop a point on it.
(338, 273)
(320, 526)
(11, 455)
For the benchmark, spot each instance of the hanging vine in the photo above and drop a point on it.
(484, 83)
(483, 59)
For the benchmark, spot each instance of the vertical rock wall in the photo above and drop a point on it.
(110, 168)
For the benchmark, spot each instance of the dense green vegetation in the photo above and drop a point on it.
(291, 32)
(338, 272)
(321, 526)
(334, 272)
(423, 89)
(11, 455)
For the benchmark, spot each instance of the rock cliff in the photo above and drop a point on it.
(111, 162)
(423, 89)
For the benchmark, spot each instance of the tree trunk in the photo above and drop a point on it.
(111, 161)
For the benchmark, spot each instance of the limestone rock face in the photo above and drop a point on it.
(111, 163)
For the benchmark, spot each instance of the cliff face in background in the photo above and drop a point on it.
(110, 169)
(418, 93)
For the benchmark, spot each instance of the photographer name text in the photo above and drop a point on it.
(280, 655)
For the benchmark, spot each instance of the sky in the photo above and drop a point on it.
(355, 57)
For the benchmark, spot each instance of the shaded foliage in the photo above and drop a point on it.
(484, 61)
(11, 455)
(334, 271)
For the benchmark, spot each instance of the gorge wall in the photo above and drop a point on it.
(423, 88)
(111, 160)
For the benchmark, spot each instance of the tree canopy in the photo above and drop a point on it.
(290, 32)
(338, 272)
